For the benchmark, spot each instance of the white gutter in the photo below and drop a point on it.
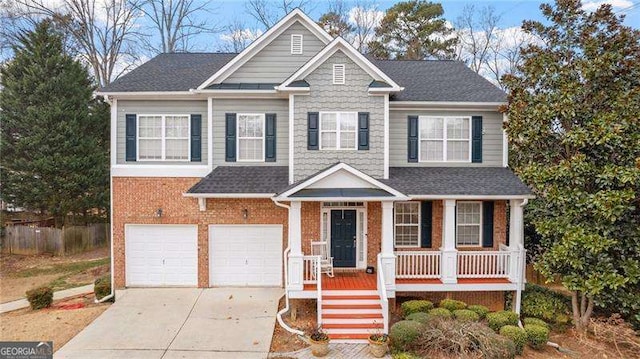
(286, 277)
(229, 195)
(470, 197)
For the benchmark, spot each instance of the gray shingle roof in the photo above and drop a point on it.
(439, 81)
(342, 192)
(422, 80)
(480, 181)
(243, 179)
(171, 72)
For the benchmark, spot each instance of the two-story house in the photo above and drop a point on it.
(225, 168)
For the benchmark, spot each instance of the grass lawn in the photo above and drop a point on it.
(21, 273)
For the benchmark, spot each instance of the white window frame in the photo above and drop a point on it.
(479, 245)
(163, 138)
(293, 36)
(361, 227)
(263, 138)
(444, 138)
(338, 131)
(395, 225)
(344, 74)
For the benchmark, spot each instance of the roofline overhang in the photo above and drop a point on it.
(462, 105)
(243, 92)
(228, 195)
(470, 197)
(340, 199)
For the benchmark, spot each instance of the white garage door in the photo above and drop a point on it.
(161, 255)
(245, 255)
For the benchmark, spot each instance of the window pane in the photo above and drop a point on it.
(468, 223)
(177, 149)
(348, 140)
(250, 126)
(407, 223)
(431, 127)
(177, 126)
(250, 149)
(431, 150)
(468, 235)
(458, 150)
(149, 149)
(328, 122)
(458, 128)
(348, 121)
(150, 126)
(328, 140)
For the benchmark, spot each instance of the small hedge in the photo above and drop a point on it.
(452, 304)
(535, 321)
(102, 287)
(415, 306)
(481, 310)
(499, 319)
(543, 303)
(440, 313)
(418, 317)
(466, 315)
(41, 297)
(403, 333)
(516, 334)
(537, 335)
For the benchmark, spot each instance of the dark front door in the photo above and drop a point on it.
(343, 237)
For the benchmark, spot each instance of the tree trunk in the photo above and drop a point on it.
(582, 309)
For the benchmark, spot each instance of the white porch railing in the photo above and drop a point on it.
(309, 270)
(418, 265)
(318, 272)
(382, 292)
(483, 264)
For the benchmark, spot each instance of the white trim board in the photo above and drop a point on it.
(339, 44)
(263, 41)
(146, 170)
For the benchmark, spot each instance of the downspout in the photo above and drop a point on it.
(520, 281)
(286, 281)
(113, 293)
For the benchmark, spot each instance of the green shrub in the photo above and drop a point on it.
(481, 310)
(537, 335)
(403, 333)
(418, 317)
(466, 315)
(535, 321)
(499, 319)
(440, 313)
(452, 304)
(404, 355)
(416, 306)
(498, 347)
(41, 297)
(546, 304)
(516, 334)
(102, 287)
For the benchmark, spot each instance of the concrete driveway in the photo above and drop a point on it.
(181, 323)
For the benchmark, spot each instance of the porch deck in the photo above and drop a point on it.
(360, 280)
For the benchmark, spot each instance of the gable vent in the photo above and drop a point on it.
(296, 44)
(338, 74)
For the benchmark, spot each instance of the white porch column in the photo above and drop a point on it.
(516, 239)
(449, 270)
(295, 244)
(387, 256)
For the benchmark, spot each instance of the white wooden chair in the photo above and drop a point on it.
(326, 263)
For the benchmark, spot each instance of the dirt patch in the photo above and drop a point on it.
(306, 316)
(60, 323)
(21, 273)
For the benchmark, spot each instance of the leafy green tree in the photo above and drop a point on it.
(575, 133)
(54, 136)
(414, 30)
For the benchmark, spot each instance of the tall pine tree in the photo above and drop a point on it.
(54, 133)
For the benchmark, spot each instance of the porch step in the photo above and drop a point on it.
(350, 302)
(351, 306)
(360, 336)
(353, 316)
(350, 292)
(367, 321)
(331, 326)
(330, 296)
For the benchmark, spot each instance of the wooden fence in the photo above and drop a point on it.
(68, 240)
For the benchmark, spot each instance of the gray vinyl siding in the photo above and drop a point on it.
(278, 106)
(275, 63)
(149, 107)
(352, 96)
(491, 138)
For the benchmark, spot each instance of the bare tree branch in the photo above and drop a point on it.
(365, 17)
(103, 30)
(237, 37)
(268, 13)
(175, 24)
